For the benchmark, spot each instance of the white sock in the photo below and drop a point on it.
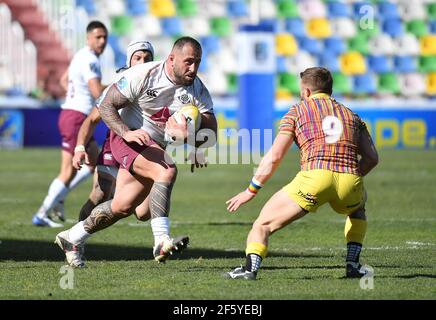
(78, 234)
(56, 191)
(161, 229)
(81, 176)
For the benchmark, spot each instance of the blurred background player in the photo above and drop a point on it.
(84, 86)
(137, 143)
(331, 137)
(107, 168)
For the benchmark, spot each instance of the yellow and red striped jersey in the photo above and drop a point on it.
(326, 132)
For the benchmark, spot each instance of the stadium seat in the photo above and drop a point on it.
(112, 8)
(295, 26)
(432, 26)
(329, 60)
(431, 11)
(393, 26)
(369, 29)
(171, 26)
(343, 27)
(287, 9)
(300, 62)
(210, 44)
(286, 44)
(197, 26)
(312, 9)
(267, 9)
(319, 28)
(388, 83)
(364, 84)
(411, 10)
(162, 8)
(431, 84)
(381, 44)
(418, 28)
(405, 64)
(217, 82)
(341, 84)
(290, 82)
(220, 26)
(359, 43)
(88, 5)
(412, 85)
(427, 64)
(237, 8)
(122, 25)
(232, 83)
(428, 45)
(187, 8)
(360, 8)
(136, 7)
(204, 65)
(335, 45)
(282, 94)
(407, 44)
(338, 9)
(388, 10)
(379, 63)
(280, 64)
(310, 45)
(213, 9)
(148, 25)
(112, 40)
(352, 63)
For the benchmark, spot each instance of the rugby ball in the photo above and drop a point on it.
(193, 121)
(192, 115)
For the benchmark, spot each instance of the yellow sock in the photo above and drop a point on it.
(355, 230)
(256, 248)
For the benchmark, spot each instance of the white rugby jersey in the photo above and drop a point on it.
(129, 113)
(154, 98)
(84, 67)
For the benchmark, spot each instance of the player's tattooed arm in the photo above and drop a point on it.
(113, 101)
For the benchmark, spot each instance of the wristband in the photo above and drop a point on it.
(254, 186)
(79, 148)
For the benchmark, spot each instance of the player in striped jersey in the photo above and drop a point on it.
(336, 152)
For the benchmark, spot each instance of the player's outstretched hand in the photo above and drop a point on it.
(197, 159)
(80, 158)
(234, 203)
(139, 136)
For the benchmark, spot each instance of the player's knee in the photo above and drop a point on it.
(263, 227)
(358, 214)
(122, 209)
(142, 217)
(168, 174)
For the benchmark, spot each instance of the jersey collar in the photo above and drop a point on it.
(320, 95)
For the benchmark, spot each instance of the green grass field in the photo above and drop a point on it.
(306, 259)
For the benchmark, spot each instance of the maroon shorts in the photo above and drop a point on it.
(69, 124)
(126, 152)
(105, 157)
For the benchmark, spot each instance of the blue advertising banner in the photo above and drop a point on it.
(11, 129)
(410, 128)
(390, 128)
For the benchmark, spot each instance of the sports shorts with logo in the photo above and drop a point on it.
(69, 124)
(105, 157)
(124, 152)
(343, 191)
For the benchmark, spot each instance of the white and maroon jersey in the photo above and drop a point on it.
(128, 118)
(84, 67)
(154, 98)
